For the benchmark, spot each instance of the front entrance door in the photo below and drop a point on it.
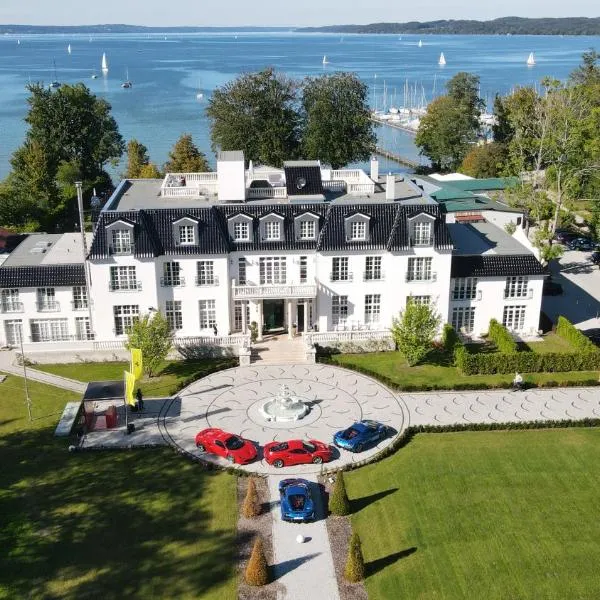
(300, 317)
(273, 311)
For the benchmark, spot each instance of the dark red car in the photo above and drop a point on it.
(232, 447)
(297, 452)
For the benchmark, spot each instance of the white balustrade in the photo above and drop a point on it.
(270, 192)
(361, 188)
(222, 341)
(299, 290)
(324, 337)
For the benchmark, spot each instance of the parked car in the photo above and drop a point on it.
(360, 435)
(581, 243)
(564, 235)
(595, 257)
(232, 447)
(552, 288)
(297, 452)
(296, 500)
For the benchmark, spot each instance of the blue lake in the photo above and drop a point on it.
(169, 72)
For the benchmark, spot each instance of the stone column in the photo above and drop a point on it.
(290, 320)
(259, 308)
(244, 320)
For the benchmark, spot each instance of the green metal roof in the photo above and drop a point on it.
(480, 185)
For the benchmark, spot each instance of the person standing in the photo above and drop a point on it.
(140, 399)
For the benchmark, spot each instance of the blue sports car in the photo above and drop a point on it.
(296, 500)
(359, 435)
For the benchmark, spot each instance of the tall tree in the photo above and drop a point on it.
(256, 113)
(337, 127)
(152, 334)
(414, 330)
(137, 159)
(185, 157)
(463, 88)
(486, 160)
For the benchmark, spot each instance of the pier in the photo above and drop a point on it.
(403, 160)
(393, 124)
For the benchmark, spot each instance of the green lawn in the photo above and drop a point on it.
(438, 373)
(551, 343)
(483, 515)
(111, 525)
(172, 377)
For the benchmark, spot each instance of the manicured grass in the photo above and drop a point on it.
(111, 525)
(491, 515)
(438, 373)
(173, 374)
(550, 343)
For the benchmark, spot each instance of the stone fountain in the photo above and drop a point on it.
(284, 407)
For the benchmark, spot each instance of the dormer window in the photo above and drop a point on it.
(241, 231)
(121, 242)
(307, 229)
(358, 230)
(272, 230)
(185, 231)
(422, 234)
(186, 235)
(357, 227)
(306, 226)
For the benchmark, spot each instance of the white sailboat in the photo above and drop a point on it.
(442, 60)
(325, 61)
(69, 48)
(55, 83)
(104, 64)
(531, 60)
(127, 83)
(420, 44)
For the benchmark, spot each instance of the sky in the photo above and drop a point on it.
(275, 12)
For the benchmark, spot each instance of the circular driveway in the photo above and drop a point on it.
(230, 400)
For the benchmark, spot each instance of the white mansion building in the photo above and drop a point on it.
(303, 249)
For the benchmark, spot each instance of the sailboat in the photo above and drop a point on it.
(127, 83)
(55, 83)
(442, 60)
(94, 76)
(104, 64)
(531, 60)
(325, 61)
(420, 44)
(69, 48)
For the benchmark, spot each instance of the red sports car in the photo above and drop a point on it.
(297, 452)
(232, 447)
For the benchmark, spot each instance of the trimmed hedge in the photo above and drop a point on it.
(502, 338)
(450, 338)
(569, 332)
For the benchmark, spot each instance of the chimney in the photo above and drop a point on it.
(374, 168)
(231, 176)
(390, 187)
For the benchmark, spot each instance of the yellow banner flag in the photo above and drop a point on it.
(136, 363)
(129, 388)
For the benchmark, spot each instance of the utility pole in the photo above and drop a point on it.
(78, 185)
(27, 398)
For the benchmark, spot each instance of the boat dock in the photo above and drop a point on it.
(393, 124)
(403, 160)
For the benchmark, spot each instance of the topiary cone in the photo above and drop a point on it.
(338, 502)
(251, 505)
(355, 564)
(257, 570)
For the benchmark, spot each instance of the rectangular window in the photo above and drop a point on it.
(303, 269)
(514, 318)
(419, 269)
(186, 235)
(339, 269)
(272, 269)
(125, 315)
(516, 287)
(121, 241)
(373, 268)
(123, 278)
(242, 271)
(80, 299)
(463, 318)
(173, 314)
(237, 314)
(241, 231)
(419, 300)
(208, 314)
(465, 288)
(171, 274)
(46, 300)
(82, 328)
(339, 310)
(358, 230)
(422, 234)
(49, 330)
(205, 273)
(13, 330)
(307, 230)
(372, 308)
(10, 301)
(272, 230)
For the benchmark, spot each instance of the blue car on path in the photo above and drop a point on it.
(296, 500)
(360, 435)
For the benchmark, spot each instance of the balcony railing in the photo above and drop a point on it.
(11, 307)
(121, 249)
(420, 277)
(79, 305)
(50, 306)
(274, 290)
(266, 192)
(207, 281)
(341, 276)
(373, 276)
(124, 286)
(172, 281)
(518, 294)
(38, 339)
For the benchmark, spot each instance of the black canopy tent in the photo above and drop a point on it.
(101, 402)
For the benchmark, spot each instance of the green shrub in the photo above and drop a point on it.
(449, 338)
(355, 563)
(253, 331)
(569, 332)
(338, 501)
(251, 505)
(501, 337)
(257, 570)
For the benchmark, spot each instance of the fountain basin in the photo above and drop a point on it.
(284, 407)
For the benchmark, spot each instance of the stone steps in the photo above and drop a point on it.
(278, 351)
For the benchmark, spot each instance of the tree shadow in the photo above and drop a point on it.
(285, 567)
(379, 564)
(358, 504)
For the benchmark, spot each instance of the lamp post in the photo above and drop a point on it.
(27, 398)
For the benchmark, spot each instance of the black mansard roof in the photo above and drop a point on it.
(495, 265)
(153, 229)
(42, 275)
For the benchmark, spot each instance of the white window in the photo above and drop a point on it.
(241, 231)
(303, 269)
(373, 268)
(49, 330)
(241, 271)
(422, 234)
(339, 269)
(10, 301)
(465, 288)
(125, 316)
(121, 241)
(208, 314)
(174, 314)
(272, 230)
(419, 300)
(272, 269)
(80, 299)
(419, 269)
(237, 314)
(171, 274)
(463, 318)
(13, 331)
(372, 308)
(307, 229)
(186, 235)
(516, 287)
(82, 328)
(46, 300)
(339, 310)
(514, 318)
(205, 273)
(358, 230)
(123, 279)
